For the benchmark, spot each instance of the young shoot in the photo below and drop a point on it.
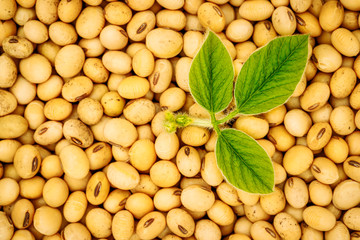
(266, 80)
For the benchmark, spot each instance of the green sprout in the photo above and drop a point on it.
(266, 80)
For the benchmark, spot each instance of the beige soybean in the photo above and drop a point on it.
(151, 225)
(263, 32)
(74, 231)
(320, 193)
(8, 102)
(49, 132)
(117, 13)
(9, 191)
(345, 42)
(195, 136)
(78, 133)
(284, 20)
(171, 4)
(57, 109)
(275, 116)
(253, 126)
(47, 220)
(75, 206)
(326, 58)
(98, 222)
(210, 15)
(319, 135)
(296, 192)
(319, 218)
(274, 202)
(340, 231)
(8, 9)
(346, 195)
(209, 170)
(182, 69)
(32, 188)
(35, 68)
(95, 70)
(286, 226)
(8, 148)
(23, 90)
(342, 82)
(337, 149)
(23, 234)
(69, 60)
(207, 230)
(74, 161)
(221, 213)
(322, 114)
(297, 122)
(99, 155)
(62, 33)
(146, 185)
(161, 76)
(256, 10)
(49, 89)
(113, 37)
(46, 11)
(145, 132)
(122, 175)
(143, 63)
(279, 172)
(112, 103)
(295, 212)
(167, 198)
(55, 192)
(197, 198)
(166, 145)
(315, 96)
(281, 138)
(351, 218)
(68, 11)
(139, 204)
(192, 42)
(324, 170)
(310, 233)
(262, 230)
(90, 22)
(172, 99)
(331, 15)
(139, 111)
(17, 47)
(354, 98)
(90, 111)
(116, 128)
(97, 188)
(133, 87)
(307, 23)
(51, 167)
(300, 6)
(172, 19)
(123, 225)
(142, 154)
(239, 30)
(188, 161)
(92, 47)
(164, 43)
(27, 161)
(140, 5)
(164, 173)
(36, 31)
(352, 141)
(180, 222)
(255, 212)
(8, 71)
(140, 25)
(342, 120)
(8, 28)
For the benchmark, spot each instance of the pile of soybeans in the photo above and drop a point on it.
(84, 155)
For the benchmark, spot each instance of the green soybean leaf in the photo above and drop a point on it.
(270, 75)
(243, 162)
(212, 75)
